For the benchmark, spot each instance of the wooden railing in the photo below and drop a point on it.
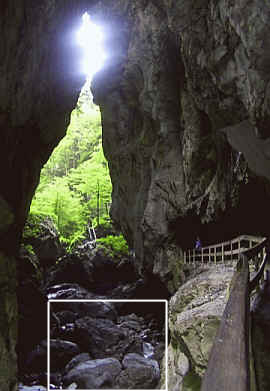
(222, 252)
(230, 363)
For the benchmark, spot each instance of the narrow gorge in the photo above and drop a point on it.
(185, 105)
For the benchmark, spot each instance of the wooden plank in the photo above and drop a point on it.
(228, 366)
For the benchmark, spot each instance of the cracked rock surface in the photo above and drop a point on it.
(194, 316)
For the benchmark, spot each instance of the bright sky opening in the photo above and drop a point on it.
(90, 38)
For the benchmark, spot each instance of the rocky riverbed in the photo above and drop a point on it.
(92, 346)
(95, 343)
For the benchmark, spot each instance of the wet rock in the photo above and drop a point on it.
(138, 373)
(21, 387)
(94, 374)
(148, 350)
(61, 352)
(68, 291)
(67, 316)
(96, 308)
(131, 322)
(77, 360)
(72, 268)
(101, 337)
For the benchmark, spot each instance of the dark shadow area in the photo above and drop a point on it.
(251, 216)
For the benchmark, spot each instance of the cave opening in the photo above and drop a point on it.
(75, 187)
(91, 38)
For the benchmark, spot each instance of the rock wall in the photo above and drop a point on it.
(39, 87)
(194, 317)
(190, 79)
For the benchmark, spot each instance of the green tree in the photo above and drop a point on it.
(75, 185)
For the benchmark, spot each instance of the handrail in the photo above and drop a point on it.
(228, 367)
(229, 362)
(223, 250)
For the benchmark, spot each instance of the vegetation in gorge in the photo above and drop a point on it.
(114, 246)
(75, 186)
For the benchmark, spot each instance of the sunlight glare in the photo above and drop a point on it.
(90, 38)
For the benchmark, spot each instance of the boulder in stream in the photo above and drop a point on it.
(139, 373)
(94, 374)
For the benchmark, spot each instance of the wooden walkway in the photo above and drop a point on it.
(222, 252)
(231, 365)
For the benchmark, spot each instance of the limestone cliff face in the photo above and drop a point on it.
(185, 111)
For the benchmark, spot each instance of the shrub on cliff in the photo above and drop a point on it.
(114, 246)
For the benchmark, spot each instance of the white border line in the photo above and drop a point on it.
(48, 345)
(104, 301)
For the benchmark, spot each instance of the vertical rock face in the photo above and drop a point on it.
(39, 86)
(189, 81)
(142, 132)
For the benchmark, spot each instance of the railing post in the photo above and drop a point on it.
(202, 260)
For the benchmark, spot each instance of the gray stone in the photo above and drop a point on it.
(195, 313)
(77, 360)
(21, 387)
(138, 373)
(101, 337)
(94, 374)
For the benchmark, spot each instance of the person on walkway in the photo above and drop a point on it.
(198, 244)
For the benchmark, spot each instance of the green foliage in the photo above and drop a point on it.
(30, 250)
(75, 186)
(115, 246)
(32, 226)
